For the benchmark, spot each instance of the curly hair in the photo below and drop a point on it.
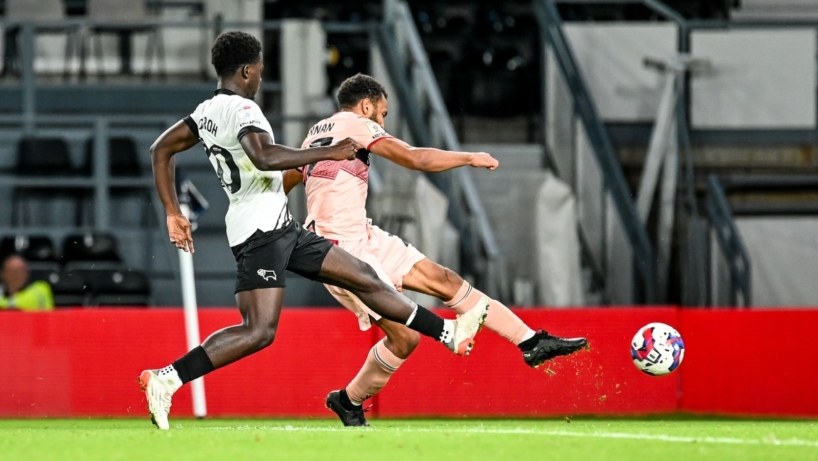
(359, 87)
(234, 49)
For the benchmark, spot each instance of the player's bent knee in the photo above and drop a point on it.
(262, 337)
(367, 279)
(451, 277)
(411, 339)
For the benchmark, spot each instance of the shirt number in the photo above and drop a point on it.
(225, 161)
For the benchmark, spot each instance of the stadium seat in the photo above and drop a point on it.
(69, 289)
(123, 159)
(118, 287)
(42, 157)
(35, 249)
(90, 251)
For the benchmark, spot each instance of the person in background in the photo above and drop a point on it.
(17, 293)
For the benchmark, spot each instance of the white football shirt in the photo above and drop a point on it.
(257, 200)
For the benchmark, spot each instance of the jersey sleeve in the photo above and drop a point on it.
(190, 121)
(366, 132)
(250, 119)
(191, 124)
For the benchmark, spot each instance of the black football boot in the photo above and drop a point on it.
(353, 417)
(543, 347)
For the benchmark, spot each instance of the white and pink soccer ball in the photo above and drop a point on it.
(657, 349)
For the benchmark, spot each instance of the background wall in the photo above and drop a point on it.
(610, 57)
(758, 79)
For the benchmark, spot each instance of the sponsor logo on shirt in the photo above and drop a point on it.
(374, 128)
(247, 116)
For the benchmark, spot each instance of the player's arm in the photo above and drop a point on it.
(430, 159)
(291, 179)
(175, 139)
(266, 155)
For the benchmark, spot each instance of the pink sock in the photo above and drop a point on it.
(378, 368)
(500, 319)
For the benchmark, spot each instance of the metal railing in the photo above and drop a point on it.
(612, 185)
(718, 211)
(429, 123)
(730, 243)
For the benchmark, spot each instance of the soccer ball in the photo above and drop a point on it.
(657, 349)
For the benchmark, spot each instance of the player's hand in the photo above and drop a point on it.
(345, 150)
(179, 231)
(484, 160)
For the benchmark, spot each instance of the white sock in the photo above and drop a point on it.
(170, 378)
(448, 331)
(530, 334)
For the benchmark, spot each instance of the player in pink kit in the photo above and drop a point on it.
(336, 199)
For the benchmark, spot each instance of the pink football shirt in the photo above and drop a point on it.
(336, 191)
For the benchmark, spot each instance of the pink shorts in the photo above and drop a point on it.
(392, 259)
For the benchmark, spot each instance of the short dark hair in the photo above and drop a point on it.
(232, 50)
(359, 87)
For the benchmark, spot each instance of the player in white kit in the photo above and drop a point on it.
(336, 200)
(239, 143)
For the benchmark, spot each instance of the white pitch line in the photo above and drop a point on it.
(555, 433)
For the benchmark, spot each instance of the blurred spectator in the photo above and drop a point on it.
(17, 293)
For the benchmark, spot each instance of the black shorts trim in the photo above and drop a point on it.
(263, 258)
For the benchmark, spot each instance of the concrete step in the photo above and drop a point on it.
(775, 10)
(508, 197)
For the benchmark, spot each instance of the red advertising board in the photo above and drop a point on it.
(85, 363)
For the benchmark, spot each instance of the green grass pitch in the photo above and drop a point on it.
(395, 440)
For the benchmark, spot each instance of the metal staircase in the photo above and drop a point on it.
(421, 107)
(582, 155)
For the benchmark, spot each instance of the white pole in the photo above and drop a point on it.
(191, 321)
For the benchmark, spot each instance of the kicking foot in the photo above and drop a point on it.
(158, 396)
(543, 347)
(354, 417)
(460, 339)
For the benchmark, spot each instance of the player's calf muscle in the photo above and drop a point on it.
(430, 278)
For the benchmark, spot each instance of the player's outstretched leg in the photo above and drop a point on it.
(381, 363)
(260, 310)
(537, 347)
(343, 270)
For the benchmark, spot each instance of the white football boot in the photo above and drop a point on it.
(158, 395)
(459, 334)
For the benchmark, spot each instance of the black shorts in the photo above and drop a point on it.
(262, 259)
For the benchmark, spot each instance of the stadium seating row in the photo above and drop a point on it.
(96, 287)
(51, 157)
(88, 272)
(76, 248)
